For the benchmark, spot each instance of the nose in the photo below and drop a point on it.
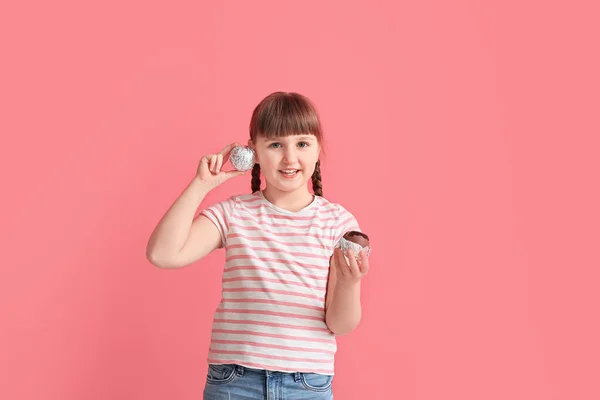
(290, 156)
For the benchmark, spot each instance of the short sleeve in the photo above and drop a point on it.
(345, 222)
(220, 214)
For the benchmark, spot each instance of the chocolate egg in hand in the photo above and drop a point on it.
(242, 158)
(355, 241)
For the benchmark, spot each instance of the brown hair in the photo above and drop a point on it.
(282, 114)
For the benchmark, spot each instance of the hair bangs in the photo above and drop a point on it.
(285, 114)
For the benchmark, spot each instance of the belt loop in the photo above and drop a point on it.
(297, 376)
(239, 370)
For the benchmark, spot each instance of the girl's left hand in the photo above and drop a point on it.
(348, 268)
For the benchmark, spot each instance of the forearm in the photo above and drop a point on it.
(172, 231)
(344, 312)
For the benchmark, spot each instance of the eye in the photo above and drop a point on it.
(275, 145)
(303, 144)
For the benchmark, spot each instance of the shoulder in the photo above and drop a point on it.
(248, 202)
(342, 219)
(231, 204)
(335, 208)
(244, 200)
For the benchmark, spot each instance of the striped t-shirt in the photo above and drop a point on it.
(272, 311)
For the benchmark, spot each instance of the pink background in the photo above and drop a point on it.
(463, 135)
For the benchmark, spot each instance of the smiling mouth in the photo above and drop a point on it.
(289, 172)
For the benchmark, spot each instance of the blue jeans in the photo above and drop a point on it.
(235, 382)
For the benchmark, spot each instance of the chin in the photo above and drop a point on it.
(290, 186)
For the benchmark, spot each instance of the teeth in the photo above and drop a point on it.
(289, 171)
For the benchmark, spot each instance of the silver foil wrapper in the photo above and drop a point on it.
(242, 158)
(345, 244)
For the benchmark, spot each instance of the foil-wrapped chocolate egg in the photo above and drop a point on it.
(242, 158)
(355, 241)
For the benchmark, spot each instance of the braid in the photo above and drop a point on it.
(316, 180)
(255, 178)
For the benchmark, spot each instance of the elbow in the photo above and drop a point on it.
(151, 255)
(158, 258)
(340, 332)
(167, 261)
(158, 261)
(155, 260)
(339, 328)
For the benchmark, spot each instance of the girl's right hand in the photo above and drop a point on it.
(209, 170)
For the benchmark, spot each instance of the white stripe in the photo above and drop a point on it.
(257, 329)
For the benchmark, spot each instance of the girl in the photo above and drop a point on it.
(287, 290)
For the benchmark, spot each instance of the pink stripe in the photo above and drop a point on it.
(272, 240)
(273, 313)
(269, 356)
(272, 280)
(273, 346)
(271, 250)
(254, 199)
(263, 290)
(274, 335)
(297, 226)
(268, 301)
(255, 207)
(247, 227)
(267, 208)
(345, 222)
(274, 271)
(273, 324)
(276, 250)
(312, 235)
(262, 366)
(279, 260)
(281, 225)
(277, 216)
(302, 233)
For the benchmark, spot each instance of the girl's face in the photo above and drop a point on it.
(287, 163)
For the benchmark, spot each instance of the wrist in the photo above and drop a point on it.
(200, 185)
(342, 285)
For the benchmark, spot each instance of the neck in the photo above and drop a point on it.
(291, 201)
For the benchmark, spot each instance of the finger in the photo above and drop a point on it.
(204, 163)
(213, 163)
(332, 267)
(340, 261)
(364, 262)
(227, 149)
(231, 174)
(219, 163)
(332, 262)
(354, 270)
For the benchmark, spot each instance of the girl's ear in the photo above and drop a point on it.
(250, 144)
